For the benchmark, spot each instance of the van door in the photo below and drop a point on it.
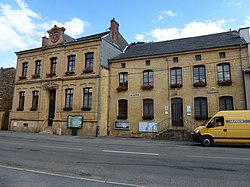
(217, 128)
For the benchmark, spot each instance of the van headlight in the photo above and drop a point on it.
(197, 131)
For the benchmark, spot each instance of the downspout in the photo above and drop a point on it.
(99, 93)
(243, 75)
(109, 98)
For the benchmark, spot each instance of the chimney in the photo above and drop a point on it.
(114, 28)
(44, 41)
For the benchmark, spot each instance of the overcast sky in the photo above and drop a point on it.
(24, 22)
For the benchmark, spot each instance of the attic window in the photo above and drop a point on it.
(222, 55)
(175, 60)
(197, 57)
(147, 62)
(123, 65)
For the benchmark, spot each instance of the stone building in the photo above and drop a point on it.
(65, 79)
(177, 84)
(7, 79)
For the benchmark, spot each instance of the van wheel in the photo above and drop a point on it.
(206, 141)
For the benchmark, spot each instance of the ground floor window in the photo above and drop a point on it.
(226, 103)
(200, 107)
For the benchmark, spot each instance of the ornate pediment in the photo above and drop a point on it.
(50, 86)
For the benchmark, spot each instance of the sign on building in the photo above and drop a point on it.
(75, 121)
(122, 125)
(147, 126)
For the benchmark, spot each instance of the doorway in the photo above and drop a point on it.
(52, 104)
(177, 112)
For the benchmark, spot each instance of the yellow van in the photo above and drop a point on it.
(224, 127)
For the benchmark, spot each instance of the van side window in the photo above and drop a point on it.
(217, 122)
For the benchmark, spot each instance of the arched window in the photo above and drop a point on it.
(224, 74)
(199, 76)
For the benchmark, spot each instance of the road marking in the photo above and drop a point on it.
(217, 157)
(135, 153)
(12, 143)
(70, 177)
(56, 147)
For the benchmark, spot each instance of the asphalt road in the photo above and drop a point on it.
(30, 160)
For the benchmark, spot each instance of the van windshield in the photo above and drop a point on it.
(205, 122)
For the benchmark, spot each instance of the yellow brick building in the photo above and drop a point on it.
(65, 77)
(177, 83)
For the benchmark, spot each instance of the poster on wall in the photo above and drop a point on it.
(75, 121)
(122, 125)
(147, 126)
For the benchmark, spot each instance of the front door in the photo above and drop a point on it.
(52, 102)
(177, 112)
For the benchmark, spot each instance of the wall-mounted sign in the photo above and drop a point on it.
(147, 126)
(122, 125)
(75, 121)
(134, 95)
(212, 90)
(188, 110)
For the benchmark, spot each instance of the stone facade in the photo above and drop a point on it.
(7, 79)
(165, 95)
(57, 75)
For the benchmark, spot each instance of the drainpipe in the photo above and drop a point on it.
(243, 75)
(99, 93)
(109, 99)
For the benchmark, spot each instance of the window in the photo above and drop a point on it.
(175, 60)
(89, 62)
(226, 103)
(224, 74)
(24, 71)
(122, 109)
(197, 57)
(176, 78)
(71, 64)
(34, 101)
(147, 62)
(148, 80)
(68, 99)
(123, 81)
(87, 99)
(148, 109)
(21, 101)
(123, 65)
(53, 62)
(199, 76)
(200, 107)
(222, 55)
(38, 68)
(216, 122)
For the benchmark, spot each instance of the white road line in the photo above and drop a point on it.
(217, 157)
(56, 147)
(12, 143)
(135, 153)
(70, 177)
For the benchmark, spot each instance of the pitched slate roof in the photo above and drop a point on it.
(99, 35)
(230, 38)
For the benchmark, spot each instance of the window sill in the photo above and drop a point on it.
(122, 88)
(122, 117)
(147, 117)
(70, 73)
(33, 109)
(87, 71)
(22, 78)
(50, 75)
(19, 109)
(176, 86)
(200, 84)
(35, 76)
(85, 108)
(147, 87)
(67, 108)
(224, 83)
(200, 117)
